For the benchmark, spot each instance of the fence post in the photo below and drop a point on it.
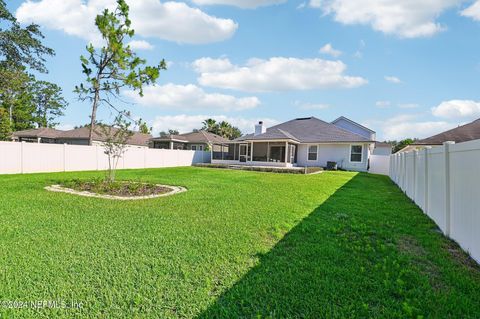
(425, 201)
(446, 153)
(404, 172)
(414, 184)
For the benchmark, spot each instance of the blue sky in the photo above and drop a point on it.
(408, 69)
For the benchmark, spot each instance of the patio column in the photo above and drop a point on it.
(286, 153)
(171, 145)
(251, 152)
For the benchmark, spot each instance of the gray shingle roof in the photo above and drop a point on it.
(467, 132)
(38, 132)
(194, 137)
(98, 135)
(308, 130)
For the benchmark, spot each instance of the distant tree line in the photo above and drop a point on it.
(25, 101)
(398, 145)
(223, 129)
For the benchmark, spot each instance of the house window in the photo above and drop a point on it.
(194, 147)
(312, 152)
(356, 153)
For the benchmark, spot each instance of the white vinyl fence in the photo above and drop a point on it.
(37, 158)
(444, 182)
(379, 164)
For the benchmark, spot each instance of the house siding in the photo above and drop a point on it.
(339, 153)
(349, 126)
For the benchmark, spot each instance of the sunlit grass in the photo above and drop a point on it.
(236, 244)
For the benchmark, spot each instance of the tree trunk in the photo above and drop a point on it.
(93, 117)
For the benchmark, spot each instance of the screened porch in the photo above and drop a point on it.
(256, 153)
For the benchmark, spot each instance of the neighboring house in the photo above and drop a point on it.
(300, 142)
(382, 148)
(195, 141)
(464, 133)
(38, 135)
(354, 127)
(77, 136)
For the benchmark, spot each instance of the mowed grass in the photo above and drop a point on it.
(236, 245)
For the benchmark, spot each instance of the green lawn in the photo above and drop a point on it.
(237, 244)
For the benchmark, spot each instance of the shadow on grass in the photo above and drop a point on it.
(343, 260)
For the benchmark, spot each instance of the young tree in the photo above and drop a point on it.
(49, 103)
(115, 144)
(5, 126)
(143, 127)
(115, 65)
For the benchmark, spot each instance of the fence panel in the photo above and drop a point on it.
(464, 196)
(379, 164)
(10, 158)
(443, 181)
(420, 170)
(436, 185)
(80, 158)
(42, 157)
(39, 158)
(410, 174)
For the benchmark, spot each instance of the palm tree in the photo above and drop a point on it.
(210, 125)
(224, 129)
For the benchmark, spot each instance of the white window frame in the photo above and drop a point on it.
(361, 153)
(308, 153)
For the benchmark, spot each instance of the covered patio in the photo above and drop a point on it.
(261, 153)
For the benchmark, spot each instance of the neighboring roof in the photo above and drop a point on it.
(467, 132)
(353, 122)
(44, 132)
(83, 133)
(193, 137)
(383, 144)
(307, 130)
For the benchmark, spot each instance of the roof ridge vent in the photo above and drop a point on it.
(303, 118)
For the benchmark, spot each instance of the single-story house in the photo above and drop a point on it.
(78, 136)
(301, 142)
(38, 135)
(463, 133)
(195, 141)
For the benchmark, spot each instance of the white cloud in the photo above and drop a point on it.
(408, 126)
(406, 18)
(140, 45)
(311, 106)
(383, 104)
(328, 49)
(190, 97)
(393, 79)
(277, 74)
(212, 65)
(472, 11)
(186, 123)
(244, 4)
(458, 109)
(173, 21)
